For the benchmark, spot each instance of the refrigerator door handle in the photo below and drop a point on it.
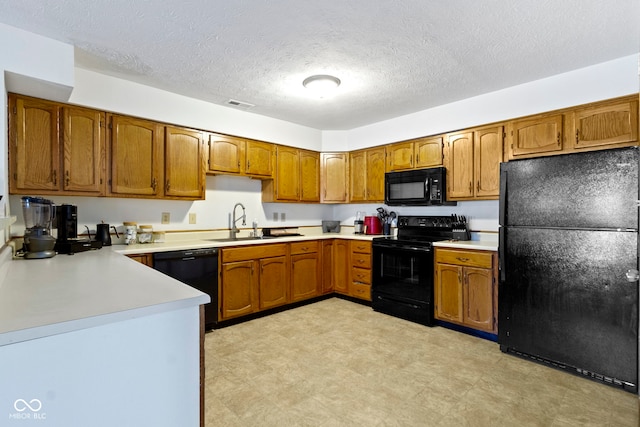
(503, 196)
(501, 260)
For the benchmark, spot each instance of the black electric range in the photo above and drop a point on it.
(403, 266)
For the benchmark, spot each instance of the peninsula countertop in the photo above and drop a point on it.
(46, 297)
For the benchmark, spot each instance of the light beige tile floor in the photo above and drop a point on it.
(337, 363)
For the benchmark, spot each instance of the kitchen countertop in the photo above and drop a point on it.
(45, 297)
(185, 241)
(40, 298)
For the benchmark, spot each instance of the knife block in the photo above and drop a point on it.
(461, 234)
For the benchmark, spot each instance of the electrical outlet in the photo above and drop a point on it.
(275, 216)
(283, 216)
(166, 217)
(192, 218)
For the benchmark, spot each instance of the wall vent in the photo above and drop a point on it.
(240, 104)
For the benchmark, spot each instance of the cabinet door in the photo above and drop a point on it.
(358, 176)
(400, 156)
(342, 265)
(136, 157)
(428, 152)
(274, 282)
(327, 266)
(259, 159)
(184, 167)
(536, 135)
(375, 174)
(479, 299)
(460, 166)
(615, 123)
(34, 145)
(305, 276)
(226, 154)
(448, 293)
(309, 176)
(83, 141)
(487, 148)
(287, 177)
(335, 177)
(238, 289)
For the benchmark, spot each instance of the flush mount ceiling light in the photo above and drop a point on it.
(321, 84)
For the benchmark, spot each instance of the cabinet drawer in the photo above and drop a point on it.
(304, 247)
(361, 275)
(360, 290)
(253, 252)
(361, 260)
(361, 247)
(483, 259)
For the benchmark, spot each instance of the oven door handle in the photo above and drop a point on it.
(404, 248)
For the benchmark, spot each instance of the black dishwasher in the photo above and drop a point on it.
(197, 268)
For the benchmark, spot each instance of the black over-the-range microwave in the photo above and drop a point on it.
(418, 187)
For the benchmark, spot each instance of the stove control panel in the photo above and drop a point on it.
(425, 221)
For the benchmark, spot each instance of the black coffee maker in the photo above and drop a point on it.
(67, 225)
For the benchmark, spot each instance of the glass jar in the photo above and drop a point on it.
(130, 232)
(145, 234)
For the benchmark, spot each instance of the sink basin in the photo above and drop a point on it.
(236, 239)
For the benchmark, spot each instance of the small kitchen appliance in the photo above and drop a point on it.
(103, 235)
(358, 224)
(38, 214)
(372, 225)
(67, 225)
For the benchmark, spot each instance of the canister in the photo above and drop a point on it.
(130, 232)
(145, 234)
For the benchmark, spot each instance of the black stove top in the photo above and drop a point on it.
(420, 230)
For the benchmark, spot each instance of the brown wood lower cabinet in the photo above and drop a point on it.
(305, 270)
(252, 278)
(360, 283)
(465, 288)
(146, 259)
(341, 266)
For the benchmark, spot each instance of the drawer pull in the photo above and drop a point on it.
(462, 259)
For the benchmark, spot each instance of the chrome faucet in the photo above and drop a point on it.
(234, 229)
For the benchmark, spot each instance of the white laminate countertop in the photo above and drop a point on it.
(45, 297)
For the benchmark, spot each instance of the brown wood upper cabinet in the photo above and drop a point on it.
(296, 178)
(415, 154)
(535, 136)
(55, 148)
(184, 163)
(473, 161)
(151, 160)
(367, 175)
(606, 123)
(137, 157)
(240, 156)
(334, 177)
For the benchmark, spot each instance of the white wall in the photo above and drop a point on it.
(602, 81)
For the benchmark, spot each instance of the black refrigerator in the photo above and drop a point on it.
(568, 251)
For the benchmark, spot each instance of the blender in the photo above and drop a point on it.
(38, 215)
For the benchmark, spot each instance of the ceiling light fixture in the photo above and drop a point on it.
(321, 84)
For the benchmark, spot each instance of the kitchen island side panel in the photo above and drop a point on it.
(140, 372)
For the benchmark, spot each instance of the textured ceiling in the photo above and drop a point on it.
(393, 57)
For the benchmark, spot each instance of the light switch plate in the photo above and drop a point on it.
(283, 216)
(275, 216)
(166, 217)
(192, 218)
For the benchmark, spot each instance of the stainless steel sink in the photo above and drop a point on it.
(235, 239)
